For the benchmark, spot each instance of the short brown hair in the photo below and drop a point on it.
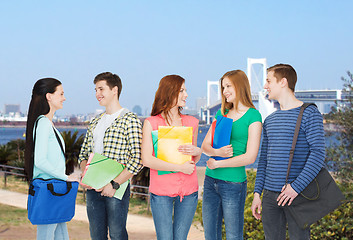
(284, 71)
(111, 79)
(242, 90)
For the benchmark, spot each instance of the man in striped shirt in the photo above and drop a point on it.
(309, 155)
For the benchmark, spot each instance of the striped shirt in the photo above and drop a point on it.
(309, 154)
(121, 142)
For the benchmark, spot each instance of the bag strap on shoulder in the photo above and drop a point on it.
(59, 141)
(35, 133)
(295, 136)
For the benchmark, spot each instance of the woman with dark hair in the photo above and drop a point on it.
(225, 181)
(174, 194)
(43, 156)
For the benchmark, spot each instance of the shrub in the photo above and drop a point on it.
(336, 225)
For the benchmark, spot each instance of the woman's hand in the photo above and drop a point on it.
(74, 177)
(189, 149)
(225, 152)
(212, 163)
(187, 168)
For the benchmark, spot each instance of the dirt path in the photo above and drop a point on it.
(78, 230)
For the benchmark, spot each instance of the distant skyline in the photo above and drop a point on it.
(142, 41)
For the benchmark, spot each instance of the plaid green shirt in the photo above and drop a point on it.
(122, 141)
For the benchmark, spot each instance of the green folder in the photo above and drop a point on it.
(100, 171)
(155, 147)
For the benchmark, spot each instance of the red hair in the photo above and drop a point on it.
(167, 95)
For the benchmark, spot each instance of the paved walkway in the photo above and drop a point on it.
(135, 223)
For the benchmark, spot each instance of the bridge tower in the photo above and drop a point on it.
(266, 107)
(210, 87)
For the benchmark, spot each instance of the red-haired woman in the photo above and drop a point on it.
(225, 181)
(173, 194)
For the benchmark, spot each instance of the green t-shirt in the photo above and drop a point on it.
(238, 140)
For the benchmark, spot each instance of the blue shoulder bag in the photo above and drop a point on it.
(51, 200)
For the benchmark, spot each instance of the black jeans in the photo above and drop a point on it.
(275, 219)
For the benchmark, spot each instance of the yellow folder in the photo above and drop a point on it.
(169, 139)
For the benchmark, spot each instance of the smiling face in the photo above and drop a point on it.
(57, 98)
(228, 90)
(182, 96)
(104, 94)
(272, 86)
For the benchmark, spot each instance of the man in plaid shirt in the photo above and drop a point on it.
(116, 134)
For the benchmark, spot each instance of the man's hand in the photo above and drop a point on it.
(107, 190)
(288, 194)
(256, 206)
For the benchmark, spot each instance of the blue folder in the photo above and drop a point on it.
(222, 132)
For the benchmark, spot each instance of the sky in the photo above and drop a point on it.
(142, 41)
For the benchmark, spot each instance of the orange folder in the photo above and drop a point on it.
(169, 139)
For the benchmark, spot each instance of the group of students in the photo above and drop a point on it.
(118, 134)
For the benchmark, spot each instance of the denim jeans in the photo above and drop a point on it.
(56, 231)
(167, 226)
(223, 199)
(275, 219)
(107, 213)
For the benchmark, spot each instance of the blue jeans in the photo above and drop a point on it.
(56, 231)
(223, 199)
(162, 208)
(275, 219)
(107, 213)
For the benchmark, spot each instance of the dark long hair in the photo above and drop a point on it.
(166, 95)
(38, 106)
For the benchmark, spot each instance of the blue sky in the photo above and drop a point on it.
(142, 41)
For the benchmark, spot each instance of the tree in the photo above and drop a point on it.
(5, 154)
(73, 145)
(340, 155)
(17, 147)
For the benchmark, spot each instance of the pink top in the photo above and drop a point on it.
(173, 184)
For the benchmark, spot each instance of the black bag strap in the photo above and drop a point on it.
(295, 136)
(60, 143)
(31, 189)
(50, 187)
(56, 135)
(35, 133)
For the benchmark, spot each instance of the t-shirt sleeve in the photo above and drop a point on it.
(255, 116)
(218, 114)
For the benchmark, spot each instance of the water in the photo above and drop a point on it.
(8, 134)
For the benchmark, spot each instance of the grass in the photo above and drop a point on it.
(12, 216)
(14, 224)
(15, 184)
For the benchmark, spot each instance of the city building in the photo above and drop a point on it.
(12, 108)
